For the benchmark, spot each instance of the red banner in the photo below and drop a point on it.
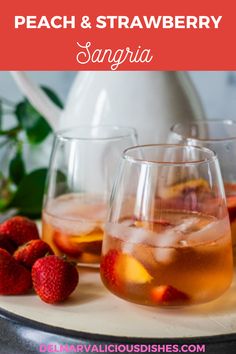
(124, 35)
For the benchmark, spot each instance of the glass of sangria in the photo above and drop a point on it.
(167, 241)
(82, 167)
(219, 136)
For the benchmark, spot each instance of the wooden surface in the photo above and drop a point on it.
(92, 309)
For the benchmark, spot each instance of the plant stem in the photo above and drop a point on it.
(11, 132)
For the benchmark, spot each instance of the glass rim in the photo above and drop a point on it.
(210, 158)
(127, 131)
(206, 122)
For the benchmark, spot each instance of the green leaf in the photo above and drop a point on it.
(1, 113)
(35, 125)
(17, 168)
(53, 96)
(59, 182)
(28, 198)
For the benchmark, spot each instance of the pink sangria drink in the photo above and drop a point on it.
(230, 190)
(162, 262)
(73, 226)
(83, 163)
(220, 137)
(168, 239)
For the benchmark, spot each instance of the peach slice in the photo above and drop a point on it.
(95, 236)
(75, 245)
(129, 269)
(118, 269)
(180, 189)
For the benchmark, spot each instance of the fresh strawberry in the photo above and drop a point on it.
(7, 244)
(167, 294)
(54, 279)
(31, 251)
(19, 230)
(14, 278)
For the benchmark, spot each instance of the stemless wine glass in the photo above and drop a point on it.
(167, 241)
(219, 136)
(82, 167)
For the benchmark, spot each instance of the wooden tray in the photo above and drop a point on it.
(93, 314)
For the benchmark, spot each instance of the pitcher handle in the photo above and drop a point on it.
(38, 98)
(192, 95)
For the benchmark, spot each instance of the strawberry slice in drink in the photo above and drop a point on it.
(231, 204)
(167, 295)
(230, 191)
(119, 269)
(65, 245)
(75, 245)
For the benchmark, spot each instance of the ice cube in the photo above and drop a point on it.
(164, 255)
(145, 255)
(126, 233)
(74, 227)
(128, 247)
(74, 206)
(186, 225)
(169, 238)
(87, 212)
(209, 233)
(175, 236)
(183, 243)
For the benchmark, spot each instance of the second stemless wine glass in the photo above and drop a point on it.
(83, 164)
(168, 242)
(219, 136)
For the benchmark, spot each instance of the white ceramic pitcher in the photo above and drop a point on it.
(150, 101)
